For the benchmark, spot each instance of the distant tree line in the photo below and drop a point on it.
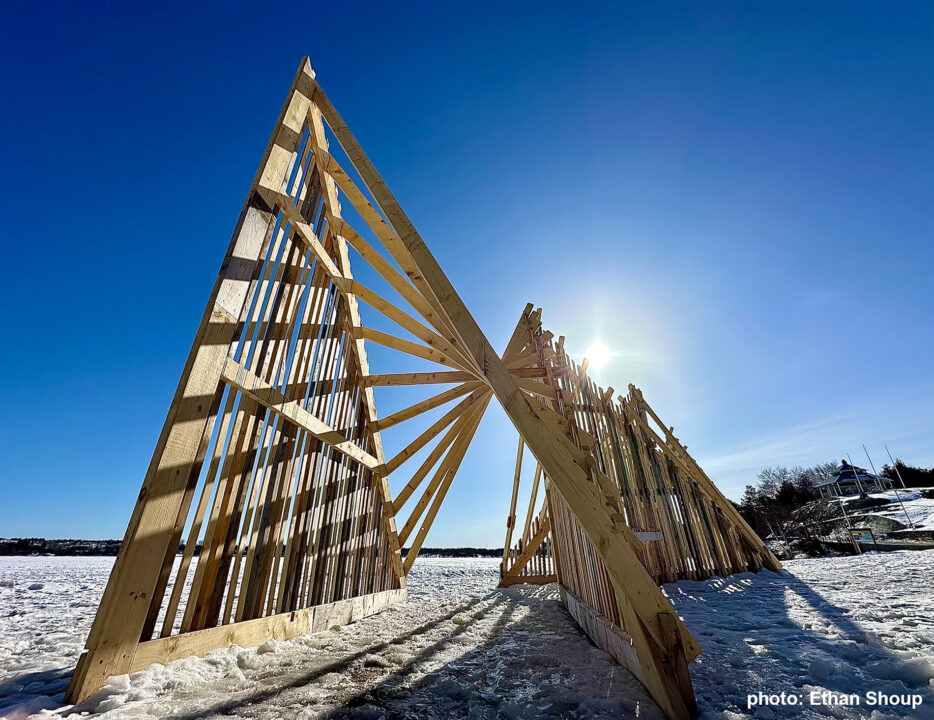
(43, 546)
(912, 476)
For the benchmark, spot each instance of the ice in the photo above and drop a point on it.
(461, 648)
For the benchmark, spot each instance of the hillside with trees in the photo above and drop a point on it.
(785, 505)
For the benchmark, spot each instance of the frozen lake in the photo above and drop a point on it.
(461, 648)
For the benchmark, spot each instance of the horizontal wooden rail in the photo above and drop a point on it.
(249, 633)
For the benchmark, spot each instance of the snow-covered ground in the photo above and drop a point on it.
(855, 624)
(919, 509)
(460, 648)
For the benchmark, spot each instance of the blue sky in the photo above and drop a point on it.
(738, 199)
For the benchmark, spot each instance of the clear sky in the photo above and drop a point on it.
(738, 199)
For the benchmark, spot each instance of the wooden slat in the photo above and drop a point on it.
(239, 377)
(425, 405)
(406, 321)
(530, 548)
(429, 378)
(443, 488)
(434, 430)
(448, 466)
(452, 433)
(332, 211)
(407, 346)
(511, 517)
(250, 633)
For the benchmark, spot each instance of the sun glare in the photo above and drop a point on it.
(598, 354)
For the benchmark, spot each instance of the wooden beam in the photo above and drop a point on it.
(441, 377)
(447, 468)
(442, 491)
(418, 378)
(249, 633)
(245, 381)
(395, 279)
(530, 549)
(418, 443)
(511, 517)
(406, 321)
(432, 459)
(673, 444)
(425, 405)
(537, 388)
(407, 346)
(532, 498)
(381, 229)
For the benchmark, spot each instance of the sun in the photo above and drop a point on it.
(598, 354)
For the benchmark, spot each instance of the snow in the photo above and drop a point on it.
(458, 648)
(919, 509)
(461, 648)
(844, 625)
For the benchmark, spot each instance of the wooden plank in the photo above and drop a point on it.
(406, 321)
(418, 378)
(434, 430)
(425, 405)
(429, 378)
(242, 379)
(249, 633)
(603, 633)
(536, 481)
(511, 517)
(398, 283)
(530, 548)
(412, 485)
(708, 486)
(407, 346)
(335, 223)
(383, 231)
(446, 483)
(451, 462)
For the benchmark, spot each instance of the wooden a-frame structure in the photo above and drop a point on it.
(266, 510)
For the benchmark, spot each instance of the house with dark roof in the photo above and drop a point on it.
(852, 480)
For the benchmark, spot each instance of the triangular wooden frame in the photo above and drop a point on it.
(274, 430)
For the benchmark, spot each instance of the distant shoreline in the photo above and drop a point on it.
(24, 547)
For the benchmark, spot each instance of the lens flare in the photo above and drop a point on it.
(598, 354)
